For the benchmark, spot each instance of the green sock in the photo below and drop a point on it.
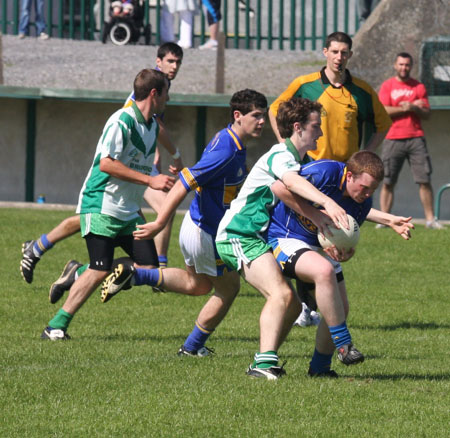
(81, 269)
(265, 360)
(61, 320)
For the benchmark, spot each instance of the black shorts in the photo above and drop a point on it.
(101, 251)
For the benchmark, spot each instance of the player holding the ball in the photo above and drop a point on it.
(294, 239)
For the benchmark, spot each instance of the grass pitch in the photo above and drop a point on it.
(120, 376)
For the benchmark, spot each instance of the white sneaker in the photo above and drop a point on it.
(315, 317)
(434, 225)
(43, 36)
(209, 45)
(21, 36)
(54, 334)
(304, 320)
(380, 226)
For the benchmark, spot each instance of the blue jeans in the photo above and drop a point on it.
(25, 10)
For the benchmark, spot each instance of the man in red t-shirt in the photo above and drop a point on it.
(406, 101)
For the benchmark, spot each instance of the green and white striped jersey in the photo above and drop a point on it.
(249, 212)
(126, 137)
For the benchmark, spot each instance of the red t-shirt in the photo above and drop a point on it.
(392, 92)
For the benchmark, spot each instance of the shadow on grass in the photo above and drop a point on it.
(402, 326)
(126, 337)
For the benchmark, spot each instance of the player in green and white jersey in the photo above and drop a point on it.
(240, 241)
(168, 60)
(110, 200)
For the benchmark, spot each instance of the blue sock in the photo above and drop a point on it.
(197, 338)
(152, 277)
(162, 259)
(41, 245)
(340, 334)
(320, 362)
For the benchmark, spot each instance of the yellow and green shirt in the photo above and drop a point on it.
(350, 113)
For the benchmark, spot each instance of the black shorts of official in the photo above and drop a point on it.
(101, 251)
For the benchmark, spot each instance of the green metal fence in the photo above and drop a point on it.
(247, 24)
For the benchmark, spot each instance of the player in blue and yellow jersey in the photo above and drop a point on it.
(350, 107)
(293, 237)
(352, 116)
(216, 179)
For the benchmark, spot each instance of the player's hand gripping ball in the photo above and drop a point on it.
(342, 238)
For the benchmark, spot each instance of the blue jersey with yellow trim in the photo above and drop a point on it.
(216, 179)
(330, 178)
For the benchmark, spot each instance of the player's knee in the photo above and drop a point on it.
(325, 272)
(283, 295)
(199, 288)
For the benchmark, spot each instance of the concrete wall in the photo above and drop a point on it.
(67, 132)
(396, 26)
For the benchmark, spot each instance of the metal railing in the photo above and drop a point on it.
(247, 24)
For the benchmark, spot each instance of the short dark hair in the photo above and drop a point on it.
(166, 48)
(340, 37)
(246, 101)
(404, 55)
(146, 80)
(366, 162)
(294, 110)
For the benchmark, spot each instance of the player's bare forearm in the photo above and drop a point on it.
(172, 201)
(119, 170)
(302, 207)
(299, 185)
(400, 224)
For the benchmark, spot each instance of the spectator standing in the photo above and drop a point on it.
(406, 101)
(187, 9)
(24, 23)
(213, 16)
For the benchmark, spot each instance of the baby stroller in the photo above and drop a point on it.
(127, 28)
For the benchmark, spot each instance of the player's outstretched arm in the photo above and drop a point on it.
(172, 201)
(301, 206)
(300, 186)
(400, 224)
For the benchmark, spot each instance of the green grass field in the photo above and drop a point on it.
(119, 376)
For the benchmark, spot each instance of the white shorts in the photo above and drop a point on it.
(199, 249)
(284, 248)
